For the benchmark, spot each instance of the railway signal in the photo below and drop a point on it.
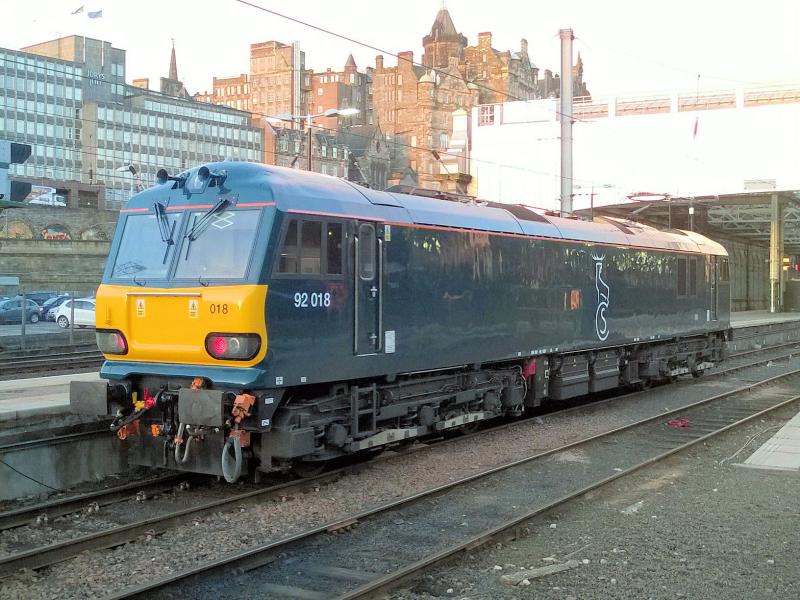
(12, 193)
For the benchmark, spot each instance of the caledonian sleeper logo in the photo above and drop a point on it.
(600, 323)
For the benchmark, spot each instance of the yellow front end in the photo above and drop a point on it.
(170, 325)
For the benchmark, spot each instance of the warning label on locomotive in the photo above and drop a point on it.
(192, 308)
(140, 307)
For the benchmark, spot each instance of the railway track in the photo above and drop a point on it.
(58, 507)
(463, 514)
(22, 363)
(53, 553)
(64, 506)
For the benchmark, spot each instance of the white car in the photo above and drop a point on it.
(84, 313)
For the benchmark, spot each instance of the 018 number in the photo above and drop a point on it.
(314, 299)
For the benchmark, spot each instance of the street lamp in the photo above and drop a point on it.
(129, 168)
(331, 112)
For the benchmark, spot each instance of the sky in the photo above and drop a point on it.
(628, 47)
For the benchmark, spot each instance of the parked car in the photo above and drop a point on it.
(84, 313)
(40, 297)
(11, 311)
(51, 305)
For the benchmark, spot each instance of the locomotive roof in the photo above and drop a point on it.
(301, 191)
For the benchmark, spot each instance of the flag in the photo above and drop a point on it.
(95, 15)
(696, 122)
(77, 11)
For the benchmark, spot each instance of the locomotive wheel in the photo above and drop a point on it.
(305, 469)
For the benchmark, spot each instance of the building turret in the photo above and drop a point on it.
(442, 42)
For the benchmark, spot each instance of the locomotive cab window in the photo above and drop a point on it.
(311, 248)
(219, 247)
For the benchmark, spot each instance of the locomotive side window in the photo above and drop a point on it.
(311, 247)
(334, 237)
(681, 268)
(366, 259)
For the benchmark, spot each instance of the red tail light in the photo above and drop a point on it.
(233, 346)
(111, 341)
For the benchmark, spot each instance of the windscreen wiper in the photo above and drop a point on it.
(164, 228)
(201, 224)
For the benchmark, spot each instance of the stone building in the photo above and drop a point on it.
(414, 103)
(339, 89)
(443, 43)
(289, 148)
(369, 156)
(171, 85)
(279, 82)
(500, 76)
(229, 91)
(415, 106)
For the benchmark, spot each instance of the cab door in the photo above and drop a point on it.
(713, 281)
(367, 290)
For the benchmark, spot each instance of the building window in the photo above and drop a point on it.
(486, 115)
(319, 91)
(443, 140)
(324, 150)
(333, 151)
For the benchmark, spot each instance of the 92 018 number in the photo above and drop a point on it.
(218, 309)
(313, 300)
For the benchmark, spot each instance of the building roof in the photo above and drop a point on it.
(443, 26)
(351, 62)
(358, 138)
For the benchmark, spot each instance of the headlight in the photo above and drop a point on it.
(233, 346)
(111, 341)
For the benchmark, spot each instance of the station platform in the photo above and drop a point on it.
(22, 398)
(754, 318)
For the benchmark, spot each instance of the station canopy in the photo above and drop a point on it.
(745, 216)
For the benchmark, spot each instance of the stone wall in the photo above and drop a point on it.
(57, 224)
(59, 249)
(64, 265)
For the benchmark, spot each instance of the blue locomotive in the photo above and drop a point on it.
(256, 318)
